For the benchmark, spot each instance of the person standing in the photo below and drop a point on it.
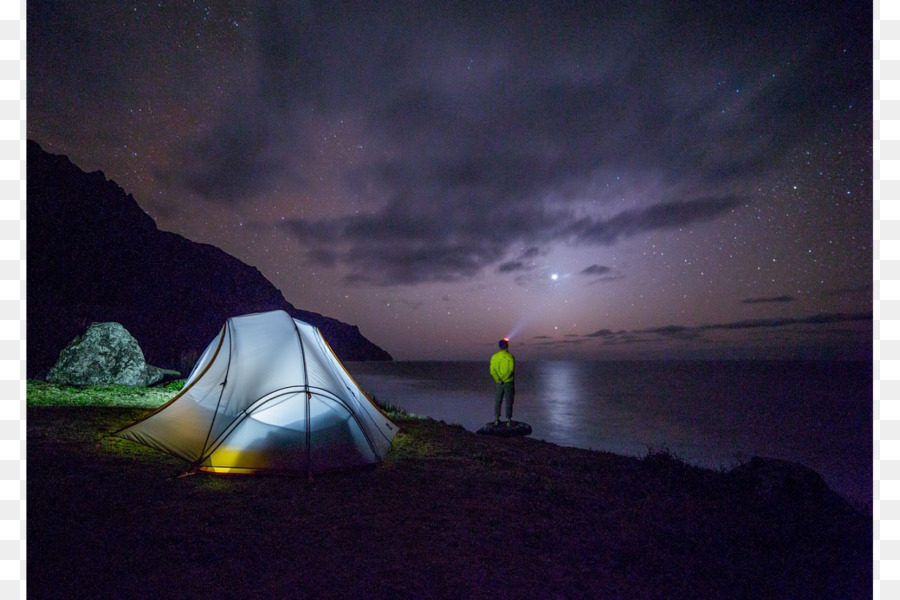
(503, 365)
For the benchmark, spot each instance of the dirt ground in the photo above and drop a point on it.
(449, 514)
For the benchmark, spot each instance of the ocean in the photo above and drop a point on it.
(714, 414)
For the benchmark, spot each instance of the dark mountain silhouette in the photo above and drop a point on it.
(94, 255)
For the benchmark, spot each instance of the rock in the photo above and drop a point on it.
(773, 479)
(157, 374)
(106, 354)
(514, 429)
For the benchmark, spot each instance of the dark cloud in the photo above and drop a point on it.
(594, 270)
(601, 333)
(486, 101)
(674, 332)
(512, 266)
(819, 319)
(413, 242)
(560, 344)
(834, 341)
(660, 216)
(233, 163)
(523, 262)
(291, 43)
(770, 300)
(393, 265)
(600, 274)
(680, 332)
(405, 244)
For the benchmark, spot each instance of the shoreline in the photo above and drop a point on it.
(814, 413)
(448, 514)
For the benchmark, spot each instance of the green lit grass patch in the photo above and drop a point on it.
(41, 393)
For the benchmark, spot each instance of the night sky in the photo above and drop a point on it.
(594, 179)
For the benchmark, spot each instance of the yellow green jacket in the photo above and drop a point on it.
(502, 366)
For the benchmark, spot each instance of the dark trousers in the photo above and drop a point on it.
(504, 390)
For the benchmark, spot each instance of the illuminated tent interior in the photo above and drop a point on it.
(268, 395)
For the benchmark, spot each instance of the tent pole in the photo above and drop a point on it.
(308, 431)
(308, 398)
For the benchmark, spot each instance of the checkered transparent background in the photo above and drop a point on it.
(886, 248)
(12, 299)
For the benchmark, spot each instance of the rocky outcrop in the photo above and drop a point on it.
(105, 355)
(95, 256)
(771, 479)
(506, 429)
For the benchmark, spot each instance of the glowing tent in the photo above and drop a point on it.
(268, 394)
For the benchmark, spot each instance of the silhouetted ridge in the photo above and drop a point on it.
(95, 255)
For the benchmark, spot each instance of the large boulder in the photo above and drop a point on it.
(106, 354)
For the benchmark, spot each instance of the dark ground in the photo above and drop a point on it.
(450, 514)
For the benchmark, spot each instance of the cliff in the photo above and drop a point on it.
(449, 514)
(95, 255)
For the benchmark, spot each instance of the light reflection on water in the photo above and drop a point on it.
(557, 389)
(714, 414)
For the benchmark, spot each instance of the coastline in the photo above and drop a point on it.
(713, 414)
(449, 514)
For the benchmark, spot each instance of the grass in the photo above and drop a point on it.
(41, 393)
(392, 409)
(448, 514)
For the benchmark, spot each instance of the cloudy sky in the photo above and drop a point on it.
(594, 179)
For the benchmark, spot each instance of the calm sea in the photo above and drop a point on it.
(710, 413)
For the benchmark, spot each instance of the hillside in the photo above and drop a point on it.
(95, 255)
(449, 514)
